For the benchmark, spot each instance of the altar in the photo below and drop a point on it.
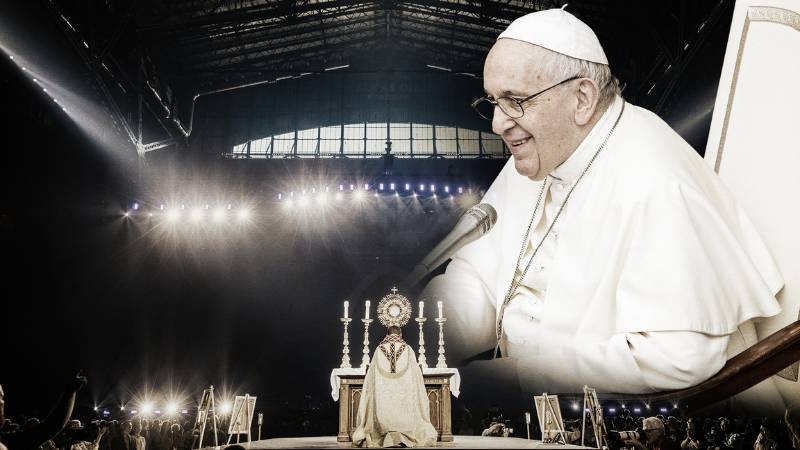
(346, 387)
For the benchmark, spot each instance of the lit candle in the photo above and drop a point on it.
(421, 305)
(367, 313)
(440, 310)
(346, 306)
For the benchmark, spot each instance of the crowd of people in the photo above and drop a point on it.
(60, 431)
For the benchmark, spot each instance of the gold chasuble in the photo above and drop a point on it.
(394, 406)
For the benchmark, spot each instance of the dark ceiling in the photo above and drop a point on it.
(171, 51)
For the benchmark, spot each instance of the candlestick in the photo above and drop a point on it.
(366, 314)
(440, 310)
(365, 358)
(421, 358)
(346, 349)
(421, 306)
(441, 364)
(346, 307)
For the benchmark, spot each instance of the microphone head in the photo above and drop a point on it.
(486, 216)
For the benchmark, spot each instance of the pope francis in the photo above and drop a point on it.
(619, 259)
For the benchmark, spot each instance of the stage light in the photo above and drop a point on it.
(612, 410)
(161, 207)
(207, 206)
(134, 412)
(408, 187)
(447, 188)
(172, 408)
(289, 203)
(219, 214)
(183, 206)
(391, 186)
(291, 193)
(197, 214)
(637, 410)
(647, 406)
(341, 187)
(663, 410)
(421, 187)
(575, 406)
(244, 214)
(622, 405)
(225, 408)
(339, 196)
(35, 80)
(135, 206)
(95, 408)
(322, 198)
(303, 201)
(327, 188)
(158, 411)
(146, 408)
(352, 187)
(366, 187)
(184, 411)
(415, 194)
(433, 188)
(280, 196)
(230, 206)
(304, 191)
(127, 214)
(380, 187)
(173, 215)
(313, 190)
(151, 214)
(396, 194)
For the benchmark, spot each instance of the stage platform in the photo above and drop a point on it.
(458, 442)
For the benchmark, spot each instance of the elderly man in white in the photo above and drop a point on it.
(619, 259)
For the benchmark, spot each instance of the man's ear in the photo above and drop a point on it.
(587, 96)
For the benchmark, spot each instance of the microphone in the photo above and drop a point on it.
(476, 222)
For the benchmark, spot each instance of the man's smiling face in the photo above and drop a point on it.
(545, 136)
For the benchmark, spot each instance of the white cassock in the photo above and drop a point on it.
(394, 403)
(649, 270)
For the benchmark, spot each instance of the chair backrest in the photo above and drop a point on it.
(754, 144)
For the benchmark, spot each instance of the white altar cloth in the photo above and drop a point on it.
(455, 380)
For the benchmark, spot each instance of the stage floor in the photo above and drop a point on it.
(458, 442)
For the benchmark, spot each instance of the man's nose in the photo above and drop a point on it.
(501, 122)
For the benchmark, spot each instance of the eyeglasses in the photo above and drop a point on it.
(512, 107)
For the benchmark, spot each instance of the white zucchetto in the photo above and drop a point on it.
(559, 31)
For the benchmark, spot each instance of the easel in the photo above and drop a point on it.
(550, 422)
(591, 403)
(202, 415)
(243, 405)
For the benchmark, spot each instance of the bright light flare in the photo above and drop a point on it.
(244, 214)
(225, 408)
(172, 408)
(219, 214)
(173, 215)
(197, 215)
(146, 408)
(304, 201)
